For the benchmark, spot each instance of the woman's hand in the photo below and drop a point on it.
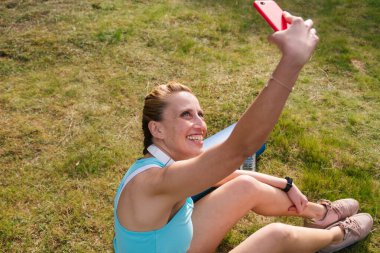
(298, 42)
(299, 200)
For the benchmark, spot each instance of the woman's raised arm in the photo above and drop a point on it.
(188, 177)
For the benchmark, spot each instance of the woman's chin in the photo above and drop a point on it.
(196, 152)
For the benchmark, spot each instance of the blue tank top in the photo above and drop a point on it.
(174, 237)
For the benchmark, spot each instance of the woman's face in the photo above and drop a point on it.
(183, 126)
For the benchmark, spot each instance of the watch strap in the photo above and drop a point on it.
(289, 184)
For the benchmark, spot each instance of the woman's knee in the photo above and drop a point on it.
(282, 233)
(248, 185)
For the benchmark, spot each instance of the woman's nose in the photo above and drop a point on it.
(200, 123)
(198, 120)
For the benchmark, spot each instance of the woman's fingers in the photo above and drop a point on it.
(304, 202)
(294, 19)
(309, 23)
(288, 17)
(299, 208)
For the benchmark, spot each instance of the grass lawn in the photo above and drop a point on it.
(73, 75)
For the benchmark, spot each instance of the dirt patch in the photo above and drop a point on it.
(359, 65)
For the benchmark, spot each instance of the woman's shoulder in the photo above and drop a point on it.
(139, 166)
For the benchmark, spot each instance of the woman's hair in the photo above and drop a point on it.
(154, 106)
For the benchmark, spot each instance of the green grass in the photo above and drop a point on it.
(73, 75)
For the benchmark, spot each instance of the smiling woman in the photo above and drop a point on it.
(154, 106)
(183, 116)
(153, 208)
(186, 121)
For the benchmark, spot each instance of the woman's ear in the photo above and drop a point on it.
(155, 129)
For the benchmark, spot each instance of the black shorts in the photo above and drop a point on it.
(202, 194)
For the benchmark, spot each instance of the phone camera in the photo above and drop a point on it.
(262, 3)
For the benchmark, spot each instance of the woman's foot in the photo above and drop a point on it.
(335, 211)
(355, 228)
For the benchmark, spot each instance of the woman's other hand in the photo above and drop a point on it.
(299, 200)
(298, 42)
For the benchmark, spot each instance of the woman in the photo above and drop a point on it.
(153, 208)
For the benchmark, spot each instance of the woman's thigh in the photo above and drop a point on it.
(282, 238)
(268, 239)
(215, 214)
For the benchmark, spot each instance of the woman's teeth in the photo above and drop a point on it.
(195, 137)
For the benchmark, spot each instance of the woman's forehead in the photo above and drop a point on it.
(183, 99)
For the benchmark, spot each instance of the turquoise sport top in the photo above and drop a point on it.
(174, 237)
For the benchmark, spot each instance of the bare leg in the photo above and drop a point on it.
(281, 238)
(215, 214)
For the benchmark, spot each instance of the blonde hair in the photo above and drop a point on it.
(154, 106)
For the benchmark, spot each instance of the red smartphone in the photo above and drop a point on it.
(272, 13)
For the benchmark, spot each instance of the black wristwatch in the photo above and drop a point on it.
(289, 184)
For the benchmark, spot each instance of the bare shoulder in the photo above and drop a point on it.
(145, 182)
(150, 179)
(137, 200)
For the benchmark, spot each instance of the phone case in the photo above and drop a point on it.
(272, 13)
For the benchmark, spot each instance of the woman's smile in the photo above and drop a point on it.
(196, 138)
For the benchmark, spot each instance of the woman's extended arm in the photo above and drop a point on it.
(296, 44)
(194, 175)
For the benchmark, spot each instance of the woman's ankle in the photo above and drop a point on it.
(338, 234)
(317, 211)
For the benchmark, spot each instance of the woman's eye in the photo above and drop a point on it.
(185, 114)
(200, 114)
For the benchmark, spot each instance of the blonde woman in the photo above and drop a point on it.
(154, 211)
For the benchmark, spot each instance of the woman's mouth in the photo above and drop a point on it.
(196, 138)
